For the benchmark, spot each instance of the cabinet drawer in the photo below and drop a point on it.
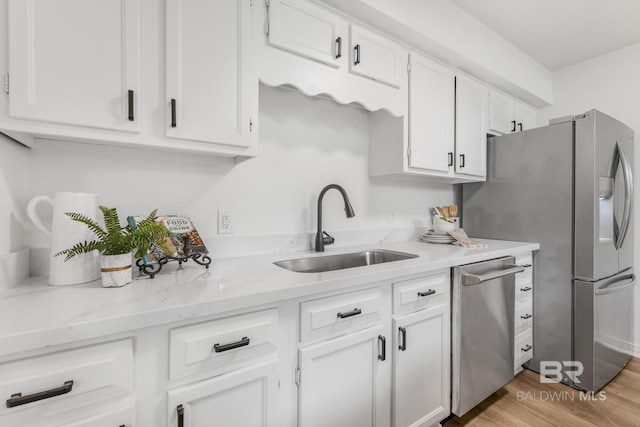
(223, 343)
(523, 318)
(523, 348)
(525, 260)
(73, 378)
(328, 316)
(524, 289)
(410, 295)
(111, 418)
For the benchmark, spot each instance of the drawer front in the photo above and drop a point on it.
(523, 318)
(524, 289)
(332, 315)
(73, 378)
(222, 344)
(525, 260)
(427, 291)
(523, 349)
(112, 418)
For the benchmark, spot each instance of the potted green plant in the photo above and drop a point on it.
(116, 243)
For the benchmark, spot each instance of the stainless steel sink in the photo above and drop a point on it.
(319, 264)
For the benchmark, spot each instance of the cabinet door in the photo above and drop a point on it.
(343, 383)
(377, 57)
(431, 115)
(501, 113)
(245, 397)
(421, 367)
(525, 117)
(75, 62)
(301, 27)
(471, 127)
(211, 87)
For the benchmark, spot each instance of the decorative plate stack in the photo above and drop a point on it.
(437, 237)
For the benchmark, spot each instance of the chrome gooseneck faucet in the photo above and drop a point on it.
(323, 238)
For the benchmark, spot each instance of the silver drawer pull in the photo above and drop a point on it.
(353, 312)
(526, 348)
(526, 316)
(426, 293)
(525, 289)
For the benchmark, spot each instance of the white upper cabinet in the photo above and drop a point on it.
(75, 62)
(309, 30)
(211, 88)
(507, 115)
(525, 116)
(471, 127)
(307, 45)
(431, 115)
(374, 56)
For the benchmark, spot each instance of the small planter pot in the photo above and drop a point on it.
(116, 270)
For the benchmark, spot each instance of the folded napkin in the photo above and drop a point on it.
(464, 240)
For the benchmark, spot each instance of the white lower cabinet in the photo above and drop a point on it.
(375, 355)
(245, 397)
(523, 313)
(121, 417)
(344, 381)
(55, 388)
(421, 367)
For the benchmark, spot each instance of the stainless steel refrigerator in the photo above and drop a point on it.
(568, 186)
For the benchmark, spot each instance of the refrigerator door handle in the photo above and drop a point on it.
(621, 158)
(617, 285)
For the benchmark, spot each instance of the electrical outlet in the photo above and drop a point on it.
(225, 223)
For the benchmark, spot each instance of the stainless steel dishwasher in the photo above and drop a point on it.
(481, 330)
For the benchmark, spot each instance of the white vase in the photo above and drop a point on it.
(116, 270)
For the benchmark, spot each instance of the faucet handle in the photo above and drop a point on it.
(327, 239)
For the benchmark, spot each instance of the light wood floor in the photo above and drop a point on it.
(521, 403)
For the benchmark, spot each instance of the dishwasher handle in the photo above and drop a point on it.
(469, 279)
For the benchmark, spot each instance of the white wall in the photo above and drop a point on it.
(610, 83)
(305, 144)
(13, 187)
(14, 255)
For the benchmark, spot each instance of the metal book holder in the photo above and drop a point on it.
(153, 269)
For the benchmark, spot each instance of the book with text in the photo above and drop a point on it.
(184, 241)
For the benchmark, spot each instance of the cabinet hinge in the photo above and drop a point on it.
(408, 67)
(6, 83)
(409, 152)
(250, 125)
(298, 377)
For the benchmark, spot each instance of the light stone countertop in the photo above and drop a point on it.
(34, 315)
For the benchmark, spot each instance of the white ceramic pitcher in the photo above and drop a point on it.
(64, 233)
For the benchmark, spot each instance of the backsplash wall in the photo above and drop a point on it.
(305, 144)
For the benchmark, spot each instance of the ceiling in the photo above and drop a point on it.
(559, 33)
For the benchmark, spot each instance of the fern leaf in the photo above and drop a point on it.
(111, 220)
(80, 248)
(90, 223)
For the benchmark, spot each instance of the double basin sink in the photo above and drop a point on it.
(320, 264)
